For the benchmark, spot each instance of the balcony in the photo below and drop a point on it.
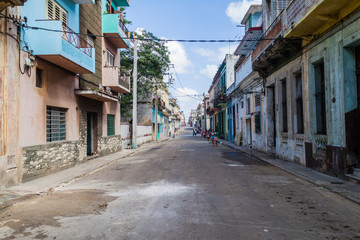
(273, 49)
(116, 31)
(62, 47)
(117, 82)
(312, 17)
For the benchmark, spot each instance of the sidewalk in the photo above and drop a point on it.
(48, 183)
(346, 189)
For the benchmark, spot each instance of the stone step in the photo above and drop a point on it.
(353, 178)
(356, 172)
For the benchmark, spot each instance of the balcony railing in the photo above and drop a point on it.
(74, 39)
(268, 36)
(124, 80)
(126, 31)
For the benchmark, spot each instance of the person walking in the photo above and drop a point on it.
(212, 138)
(216, 138)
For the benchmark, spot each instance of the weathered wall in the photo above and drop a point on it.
(109, 144)
(43, 160)
(57, 91)
(144, 134)
(289, 144)
(10, 157)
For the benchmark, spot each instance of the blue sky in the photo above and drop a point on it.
(195, 63)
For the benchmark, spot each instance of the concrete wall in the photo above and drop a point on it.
(10, 156)
(57, 91)
(289, 145)
(144, 134)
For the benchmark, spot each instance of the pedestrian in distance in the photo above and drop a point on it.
(216, 138)
(212, 138)
(194, 132)
(208, 134)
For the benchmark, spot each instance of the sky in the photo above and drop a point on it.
(195, 64)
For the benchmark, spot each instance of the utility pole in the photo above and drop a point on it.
(156, 114)
(134, 112)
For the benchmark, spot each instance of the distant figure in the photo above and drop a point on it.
(216, 139)
(194, 132)
(208, 134)
(212, 136)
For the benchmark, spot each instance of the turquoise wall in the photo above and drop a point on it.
(350, 79)
(28, 10)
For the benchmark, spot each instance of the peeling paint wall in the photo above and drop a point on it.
(10, 159)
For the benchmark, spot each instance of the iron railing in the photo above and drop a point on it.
(126, 31)
(74, 39)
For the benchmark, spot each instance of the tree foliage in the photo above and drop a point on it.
(153, 64)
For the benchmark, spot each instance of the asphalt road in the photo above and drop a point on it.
(184, 189)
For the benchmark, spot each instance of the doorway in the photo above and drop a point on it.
(92, 133)
(352, 118)
(271, 117)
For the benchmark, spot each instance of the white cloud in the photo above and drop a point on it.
(237, 10)
(186, 103)
(178, 56)
(204, 52)
(209, 71)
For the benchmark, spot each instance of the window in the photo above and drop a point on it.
(284, 106)
(258, 123)
(257, 100)
(39, 78)
(248, 106)
(299, 104)
(110, 58)
(110, 125)
(54, 11)
(90, 39)
(320, 98)
(55, 124)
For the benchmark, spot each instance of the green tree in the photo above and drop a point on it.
(153, 64)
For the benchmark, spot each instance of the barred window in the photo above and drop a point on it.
(257, 100)
(55, 124)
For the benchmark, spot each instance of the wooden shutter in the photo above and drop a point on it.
(110, 125)
(54, 11)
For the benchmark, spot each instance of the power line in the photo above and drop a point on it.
(156, 40)
(184, 94)
(178, 77)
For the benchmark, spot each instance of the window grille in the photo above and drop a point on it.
(55, 124)
(320, 98)
(257, 100)
(110, 125)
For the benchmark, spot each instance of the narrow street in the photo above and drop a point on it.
(184, 188)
